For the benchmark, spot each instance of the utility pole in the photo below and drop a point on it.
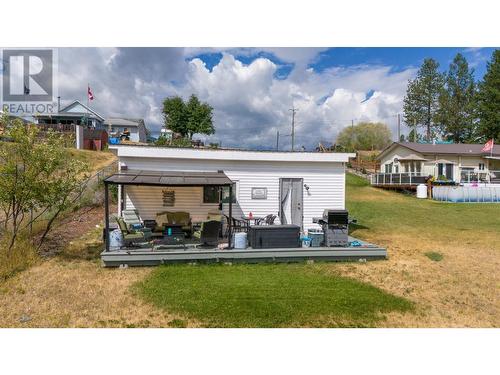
(352, 134)
(294, 111)
(399, 127)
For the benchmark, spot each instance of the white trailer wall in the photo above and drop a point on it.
(326, 182)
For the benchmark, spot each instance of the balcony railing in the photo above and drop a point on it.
(404, 178)
(491, 176)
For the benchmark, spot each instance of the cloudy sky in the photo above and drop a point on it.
(252, 89)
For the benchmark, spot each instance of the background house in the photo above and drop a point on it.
(118, 125)
(73, 113)
(457, 162)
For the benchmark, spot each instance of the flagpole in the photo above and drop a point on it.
(88, 104)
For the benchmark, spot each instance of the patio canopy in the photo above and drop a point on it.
(141, 177)
(159, 178)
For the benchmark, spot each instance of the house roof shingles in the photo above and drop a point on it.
(473, 149)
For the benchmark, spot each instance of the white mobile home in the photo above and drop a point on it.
(294, 186)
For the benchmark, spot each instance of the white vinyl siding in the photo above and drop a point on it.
(326, 183)
(148, 200)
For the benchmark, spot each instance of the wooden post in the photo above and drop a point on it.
(106, 215)
(230, 224)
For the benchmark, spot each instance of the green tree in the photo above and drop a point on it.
(38, 176)
(199, 117)
(421, 100)
(364, 136)
(175, 114)
(488, 100)
(413, 136)
(456, 113)
(193, 117)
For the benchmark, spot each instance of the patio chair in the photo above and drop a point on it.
(131, 236)
(238, 225)
(208, 233)
(217, 216)
(131, 218)
(267, 220)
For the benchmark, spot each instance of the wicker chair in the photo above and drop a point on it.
(208, 233)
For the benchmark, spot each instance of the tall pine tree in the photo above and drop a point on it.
(456, 114)
(421, 100)
(488, 101)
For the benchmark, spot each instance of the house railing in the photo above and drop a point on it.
(488, 176)
(403, 178)
(494, 177)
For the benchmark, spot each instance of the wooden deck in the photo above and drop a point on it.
(398, 187)
(152, 257)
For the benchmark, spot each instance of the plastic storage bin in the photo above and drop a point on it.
(317, 237)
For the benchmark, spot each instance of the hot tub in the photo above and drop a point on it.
(467, 193)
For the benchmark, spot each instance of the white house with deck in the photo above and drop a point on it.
(295, 186)
(165, 193)
(458, 162)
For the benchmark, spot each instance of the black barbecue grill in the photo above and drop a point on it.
(335, 225)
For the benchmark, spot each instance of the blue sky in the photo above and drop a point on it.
(398, 58)
(252, 89)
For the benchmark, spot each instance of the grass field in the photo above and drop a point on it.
(443, 258)
(459, 290)
(420, 220)
(281, 295)
(96, 159)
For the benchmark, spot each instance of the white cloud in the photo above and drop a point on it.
(250, 104)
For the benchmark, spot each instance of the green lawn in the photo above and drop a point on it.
(276, 295)
(382, 213)
(284, 295)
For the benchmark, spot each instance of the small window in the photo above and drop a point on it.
(210, 194)
(388, 168)
(481, 166)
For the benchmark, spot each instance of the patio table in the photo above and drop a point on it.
(248, 220)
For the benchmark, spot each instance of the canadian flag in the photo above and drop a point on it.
(89, 93)
(488, 146)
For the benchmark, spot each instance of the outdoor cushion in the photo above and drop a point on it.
(131, 217)
(122, 225)
(134, 236)
(161, 218)
(178, 217)
(214, 216)
(173, 217)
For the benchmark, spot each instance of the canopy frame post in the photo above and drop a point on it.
(230, 224)
(106, 215)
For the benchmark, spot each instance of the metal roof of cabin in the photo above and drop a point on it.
(140, 177)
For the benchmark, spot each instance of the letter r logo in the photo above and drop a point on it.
(28, 75)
